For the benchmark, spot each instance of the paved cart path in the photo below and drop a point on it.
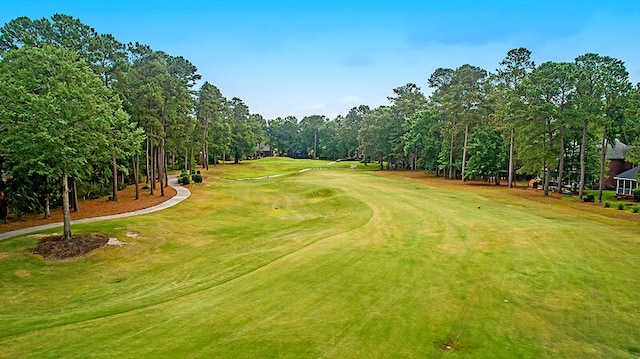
(182, 194)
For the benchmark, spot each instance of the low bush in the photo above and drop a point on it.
(197, 178)
(620, 206)
(588, 198)
(146, 186)
(183, 179)
(636, 194)
(636, 209)
(607, 204)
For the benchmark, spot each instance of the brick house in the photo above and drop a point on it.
(627, 182)
(617, 164)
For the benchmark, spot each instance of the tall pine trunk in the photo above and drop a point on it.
(146, 155)
(74, 195)
(464, 150)
(114, 170)
(65, 207)
(511, 145)
(451, 156)
(583, 150)
(204, 156)
(561, 162)
(166, 170)
(191, 160)
(152, 178)
(46, 203)
(136, 174)
(161, 166)
(547, 164)
(46, 207)
(547, 177)
(603, 153)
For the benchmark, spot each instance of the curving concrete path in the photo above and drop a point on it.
(182, 194)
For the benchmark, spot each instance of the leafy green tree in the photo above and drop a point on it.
(348, 127)
(459, 98)
(123, 140)
(61, 31)
(468, 87)
(631, 131)
(515, 68)
(441, 79)
(243, 138)
(422, 137)
(548, 92)
(283, 136)
(330, 146)
(486, 158)
(312, 132)
(602, 90)
(105, 54)
(616, 90)
(211, 113)
(258, 127)
(108, 56)
(54, 114)
(407, 102)
(377, 134)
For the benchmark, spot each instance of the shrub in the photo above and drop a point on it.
(636, 194)
(146, 186)
(607, 204)
(588, 198)
(184, 178)
(636, 209)
(620, 206)
(197, 178)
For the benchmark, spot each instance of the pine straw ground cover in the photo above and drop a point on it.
(93, 208)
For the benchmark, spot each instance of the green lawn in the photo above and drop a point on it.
(335, 263)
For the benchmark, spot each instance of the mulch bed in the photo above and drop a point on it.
(78, 245)
(93, 208)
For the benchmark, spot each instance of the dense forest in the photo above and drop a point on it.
(83, 114)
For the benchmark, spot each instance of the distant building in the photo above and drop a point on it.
(263, 151)
(627, 182)
(617, 162)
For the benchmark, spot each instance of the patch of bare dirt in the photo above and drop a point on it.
(78, 245)
(94, 208)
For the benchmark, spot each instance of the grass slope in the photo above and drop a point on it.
(333, 263)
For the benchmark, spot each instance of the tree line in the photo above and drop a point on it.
(82, 112)
(555, 120)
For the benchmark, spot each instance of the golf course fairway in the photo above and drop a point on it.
(333, 262)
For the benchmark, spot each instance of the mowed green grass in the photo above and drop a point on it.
(334, 263)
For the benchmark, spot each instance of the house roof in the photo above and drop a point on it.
(631, 174)
(618, 152)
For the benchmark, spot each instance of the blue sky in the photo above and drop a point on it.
(324, 57)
